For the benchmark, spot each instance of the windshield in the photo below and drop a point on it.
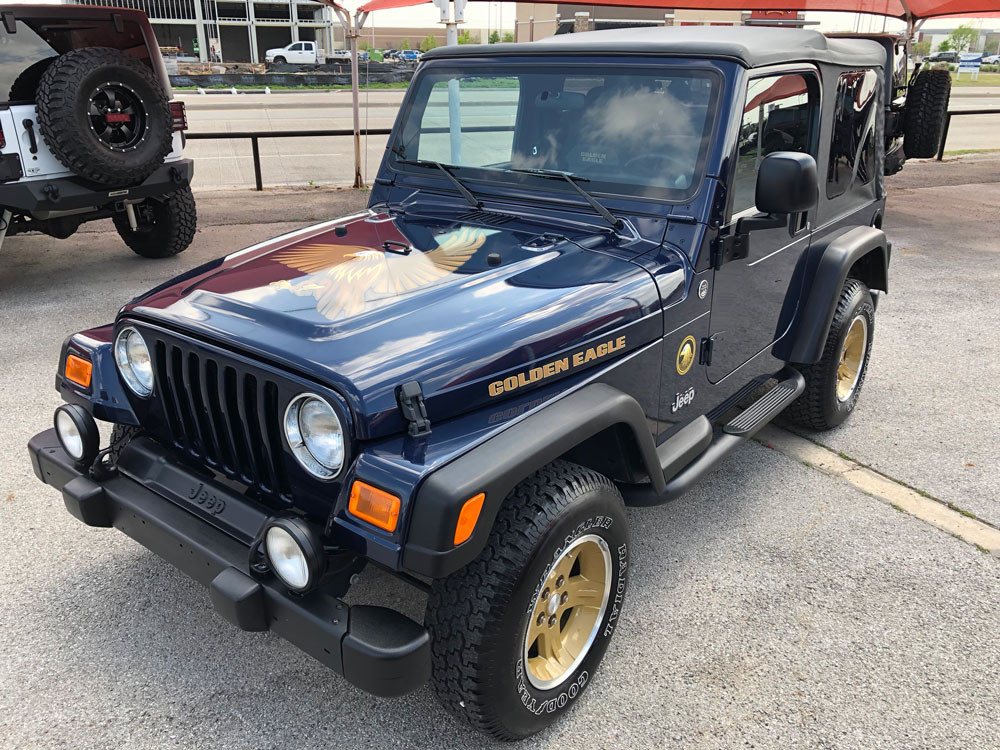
(632, 131)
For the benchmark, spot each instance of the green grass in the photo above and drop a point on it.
(985, 79)
(304, 87)
(961, 151)
(963, 511)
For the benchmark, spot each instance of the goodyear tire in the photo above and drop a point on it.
(518, 634)
(833, 385)
(166, 225)
(25, 86)
(926, 109)
(104, 115)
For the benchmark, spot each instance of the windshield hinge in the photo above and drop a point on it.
(734, 246)
(412, 407)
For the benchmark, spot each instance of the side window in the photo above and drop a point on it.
(779, 115)
(297, 47)
(852, 148)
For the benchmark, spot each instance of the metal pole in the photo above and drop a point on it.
(351, 31)
(944, 136)
(255, 146)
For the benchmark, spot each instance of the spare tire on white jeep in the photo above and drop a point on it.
(104, 115)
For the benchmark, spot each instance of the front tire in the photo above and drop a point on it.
(166, 226)
(517, 635)
(833, 385)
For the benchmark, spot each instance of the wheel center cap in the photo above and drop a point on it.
(553, 604)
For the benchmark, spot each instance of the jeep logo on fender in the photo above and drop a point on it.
(563, 364)
(208, 501)
(681, 400)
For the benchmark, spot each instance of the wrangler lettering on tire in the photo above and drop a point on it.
(516, 635)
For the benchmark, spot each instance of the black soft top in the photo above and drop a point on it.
(751, 46)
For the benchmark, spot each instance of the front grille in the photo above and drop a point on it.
(220, 413)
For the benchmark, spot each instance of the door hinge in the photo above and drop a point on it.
(729, 247)
(705, 358)
(414, 410)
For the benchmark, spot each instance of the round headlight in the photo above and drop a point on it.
(134, 362)
(315, 435)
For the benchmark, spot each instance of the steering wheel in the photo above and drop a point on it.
(669, 164)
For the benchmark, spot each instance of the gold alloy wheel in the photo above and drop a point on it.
(567, 612)
(852, 357)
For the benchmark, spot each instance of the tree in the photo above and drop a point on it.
(405, 44)
(508, 36)
(962, 37)
(921, 49)
(494, 36)
(429, 43)
(945, 46)
(466, 38)
(364, 44)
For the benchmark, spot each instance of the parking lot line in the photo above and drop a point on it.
(945, 516)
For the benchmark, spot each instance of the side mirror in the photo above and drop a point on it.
(786, 183)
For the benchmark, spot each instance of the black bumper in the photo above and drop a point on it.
(67, 193)
(377, 649)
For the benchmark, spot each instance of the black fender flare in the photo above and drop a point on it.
(825, 267)
(498, 464)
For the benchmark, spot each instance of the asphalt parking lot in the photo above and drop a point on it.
(773, 606)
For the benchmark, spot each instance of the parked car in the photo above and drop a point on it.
(657, 242)
(338, 55)
(409, 55)
(942, 57)
(991, 59)
(307, 53)
(89, 129)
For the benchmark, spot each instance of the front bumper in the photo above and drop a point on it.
(68, 193)
(377, 649)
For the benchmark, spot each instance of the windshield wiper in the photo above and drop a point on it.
(466, 193)
(574, 181)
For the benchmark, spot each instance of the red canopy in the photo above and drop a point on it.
(905, 9)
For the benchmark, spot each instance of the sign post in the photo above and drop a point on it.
(969, 62)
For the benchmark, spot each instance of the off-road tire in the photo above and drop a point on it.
(818, 408)
(280, 60)
(174, 219)
(926, 109)
(121, 436)
(63, 105)
(25, 86)
(477, 617)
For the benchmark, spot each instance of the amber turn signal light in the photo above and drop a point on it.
(78, 370)
(373, 505)
(467, 518)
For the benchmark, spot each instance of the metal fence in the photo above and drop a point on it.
(255, 136)
(956, 113)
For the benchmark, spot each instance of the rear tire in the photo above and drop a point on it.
(926, 109)
(25, 86)
(833, 385)
(518, 634)
(104, 115)
(166, 225)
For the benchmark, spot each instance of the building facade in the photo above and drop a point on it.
(235, 30)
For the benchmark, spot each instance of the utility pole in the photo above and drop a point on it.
(454, 100)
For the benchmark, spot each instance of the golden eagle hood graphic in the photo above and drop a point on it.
(344, 279)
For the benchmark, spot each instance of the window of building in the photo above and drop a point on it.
(779, 115)
(852, 148)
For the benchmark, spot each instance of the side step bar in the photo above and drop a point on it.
(677, 451)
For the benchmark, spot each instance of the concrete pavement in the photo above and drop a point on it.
(774, 606)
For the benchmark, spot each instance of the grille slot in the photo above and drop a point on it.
(487, 217)
(221, 414)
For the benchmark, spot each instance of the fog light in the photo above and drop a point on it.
(77, 432)
(294, 553)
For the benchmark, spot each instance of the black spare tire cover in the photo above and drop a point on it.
(104, 115)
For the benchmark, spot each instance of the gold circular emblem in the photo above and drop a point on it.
(685, 355)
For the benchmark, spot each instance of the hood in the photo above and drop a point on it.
(366, 303)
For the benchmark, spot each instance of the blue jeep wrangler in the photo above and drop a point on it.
(591, 268)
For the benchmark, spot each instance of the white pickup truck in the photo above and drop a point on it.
(296, 52)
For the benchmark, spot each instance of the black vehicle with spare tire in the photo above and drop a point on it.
(91, 132)
(534, 324)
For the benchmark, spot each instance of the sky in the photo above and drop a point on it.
(482, 15)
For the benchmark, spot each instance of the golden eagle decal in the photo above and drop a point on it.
(345, 278)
